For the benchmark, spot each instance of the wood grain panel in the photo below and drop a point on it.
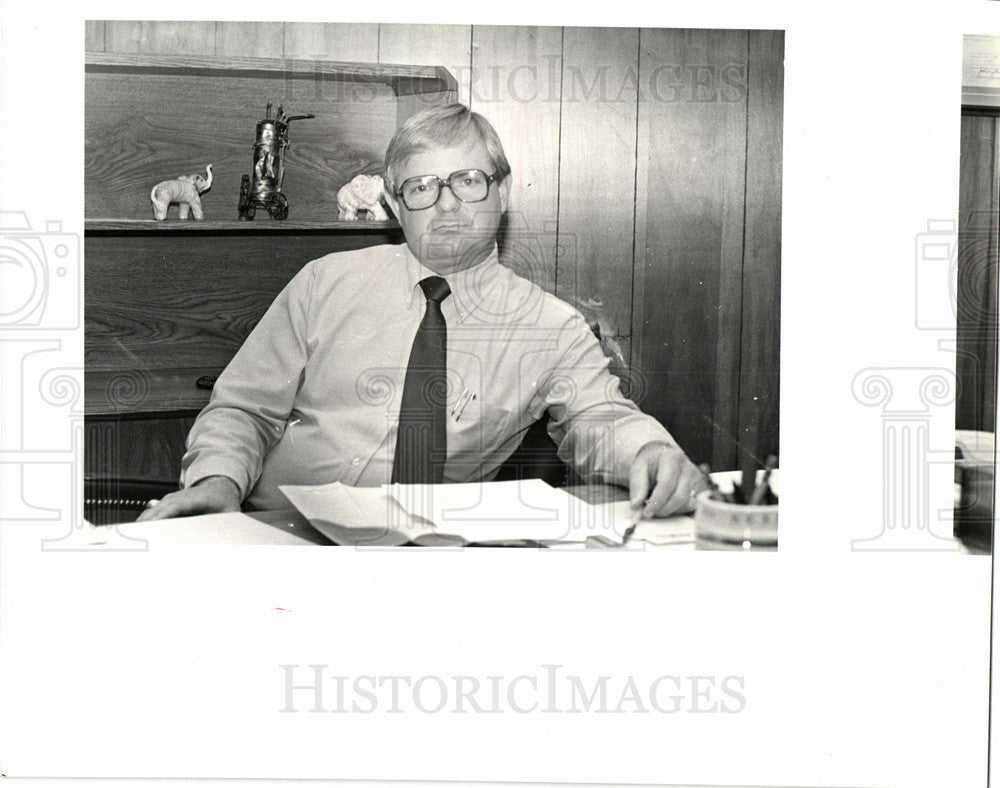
(401, 78)
(113, 393)
(332, 41)
(145, 126)
(250, 39)
(411, 104)
(978, 212)
(135, 449)
(161, 37)
(159, 302)
(691, 162)
(597, 174)
(439, 45)
(284, 227)
(760, 337)
(516, 86)
(93, 35)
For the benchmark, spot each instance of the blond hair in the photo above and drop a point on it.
(442, 127)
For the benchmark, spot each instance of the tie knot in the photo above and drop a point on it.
(435, 288)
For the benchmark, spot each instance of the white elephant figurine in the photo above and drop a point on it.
(184, 190)
(361, 194)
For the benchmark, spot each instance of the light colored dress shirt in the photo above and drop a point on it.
(313, 395)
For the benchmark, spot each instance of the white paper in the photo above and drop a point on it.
(674, 530)
(726, 480)
(476, 513)
(981, 61)
(515, 510)
(355, 515)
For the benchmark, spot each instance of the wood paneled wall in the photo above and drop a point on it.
(647, 187)
(978, 261)
(136, 136)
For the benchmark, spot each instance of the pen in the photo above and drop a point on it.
(764, 488)
(706, 475)
(637, 515)
(461, 398)
(459, 408)
(747, 482)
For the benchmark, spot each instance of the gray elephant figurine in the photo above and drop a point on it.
(183, 190)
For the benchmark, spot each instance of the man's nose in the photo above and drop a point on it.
(447, 202)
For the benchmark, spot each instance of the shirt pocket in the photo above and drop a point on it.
(480, 429)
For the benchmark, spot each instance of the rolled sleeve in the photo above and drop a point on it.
(597, 429)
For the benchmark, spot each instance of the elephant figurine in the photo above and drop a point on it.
(184, 190)
(361, 194)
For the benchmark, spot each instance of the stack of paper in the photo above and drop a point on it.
(514, 512)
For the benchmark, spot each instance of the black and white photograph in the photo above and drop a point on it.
(518, 395)
(612, 336)
(976, 292)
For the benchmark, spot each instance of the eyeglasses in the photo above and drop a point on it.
(425, 190)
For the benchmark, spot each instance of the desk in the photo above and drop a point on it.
(289, 527)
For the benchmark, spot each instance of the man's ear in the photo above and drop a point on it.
(391, 200)
(504, 190)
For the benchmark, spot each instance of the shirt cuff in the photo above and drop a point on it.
(629, 440)
(202, 469)
(609, 459)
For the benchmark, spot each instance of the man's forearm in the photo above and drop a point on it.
(225, 485)
(224, 442)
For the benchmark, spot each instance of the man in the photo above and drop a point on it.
(423, 362)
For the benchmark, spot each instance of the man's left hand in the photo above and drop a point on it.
(665, 480)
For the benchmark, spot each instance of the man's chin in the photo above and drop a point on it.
(447, 252)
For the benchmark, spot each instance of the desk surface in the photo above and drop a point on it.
(289, 527)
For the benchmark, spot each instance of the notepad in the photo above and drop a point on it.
(513, 512)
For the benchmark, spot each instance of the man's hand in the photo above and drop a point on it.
(672, 477)
(211, 494)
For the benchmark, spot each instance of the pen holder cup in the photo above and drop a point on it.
(733, 523)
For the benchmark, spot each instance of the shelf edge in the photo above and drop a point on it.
(415, 79)
(251, 227)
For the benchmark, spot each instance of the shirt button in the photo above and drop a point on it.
(355, 460)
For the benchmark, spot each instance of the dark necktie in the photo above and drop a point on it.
(422, 443)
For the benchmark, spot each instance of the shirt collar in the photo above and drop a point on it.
(468, 287)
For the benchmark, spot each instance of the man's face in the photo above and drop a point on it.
(451, 235)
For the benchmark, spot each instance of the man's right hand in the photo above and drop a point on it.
(211, 494)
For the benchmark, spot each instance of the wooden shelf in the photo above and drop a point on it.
(170, 301)
(124, 392)
(153, 117)
(262, 224)
(404, 80)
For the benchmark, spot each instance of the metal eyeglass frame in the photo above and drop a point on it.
(442, 184)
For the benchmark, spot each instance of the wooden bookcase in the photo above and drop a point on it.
(167, 303)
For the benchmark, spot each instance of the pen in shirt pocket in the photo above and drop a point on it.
(459, 407)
